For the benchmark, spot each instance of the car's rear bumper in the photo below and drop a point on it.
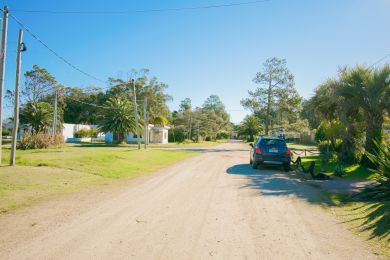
(277, 160)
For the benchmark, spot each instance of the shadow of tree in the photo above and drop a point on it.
(270, 181)
(373, 216)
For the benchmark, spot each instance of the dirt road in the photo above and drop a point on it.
(212, 206)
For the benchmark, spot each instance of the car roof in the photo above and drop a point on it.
(271, 137)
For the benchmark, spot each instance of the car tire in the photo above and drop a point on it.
(286, 168)
(254, 165)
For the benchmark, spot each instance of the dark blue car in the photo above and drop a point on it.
(270, 151)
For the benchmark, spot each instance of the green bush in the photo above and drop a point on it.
(86, 133)
(39, 141)
(176, 135)
(222, 135)
(250, 139)
(320, 134)
(338, 145)
(381, 160)
(6, 132)
(324, 147)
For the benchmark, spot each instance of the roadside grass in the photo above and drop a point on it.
(105, 162)
(295, 146)
(46, 172)
(368, 219)
(22, 186)
(355, 172)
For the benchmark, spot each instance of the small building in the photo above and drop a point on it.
(157, 135)
(68, 131)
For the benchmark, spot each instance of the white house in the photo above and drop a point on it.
(68, 131)
(157, 135)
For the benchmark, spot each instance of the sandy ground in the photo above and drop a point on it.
(212, 206)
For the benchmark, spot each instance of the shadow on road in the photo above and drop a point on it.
(272, 182)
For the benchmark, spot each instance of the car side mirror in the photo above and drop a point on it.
(251, 145)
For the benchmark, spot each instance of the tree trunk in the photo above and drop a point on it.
(121, 138)
(268, 108)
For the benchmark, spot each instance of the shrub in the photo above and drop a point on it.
(94, 132)
(39, 141)
(320, 134)
(338, 145)
(85, 133)
(177, 135)
(381, 159)
(6, 132)
(222, 135)
(250, 139)
(324, 147)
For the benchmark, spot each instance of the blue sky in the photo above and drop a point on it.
(202, 52)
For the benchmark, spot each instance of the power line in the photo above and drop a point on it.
(90, 104)
(53, 51)
(144, 10)
(380, 60)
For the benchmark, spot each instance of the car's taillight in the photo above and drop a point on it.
(258, 150)
(288, 152)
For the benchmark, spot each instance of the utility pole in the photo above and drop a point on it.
(54, 126)
(20, 49)
(136, 114)
(190, 126)
(3, 50)
(145, 122)
(198, 132)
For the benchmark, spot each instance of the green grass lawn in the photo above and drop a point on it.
(356, 172)
(295, 146)
(43, 173)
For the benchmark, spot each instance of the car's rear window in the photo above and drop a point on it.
(272, 142)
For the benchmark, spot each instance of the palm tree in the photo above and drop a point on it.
(159, 121)
(251, 126)
(37, 115)
(118, 118)
(369, 90)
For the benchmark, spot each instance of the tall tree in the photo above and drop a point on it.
(77, 108)
(276, 91)
(185, 105)
(38, 84)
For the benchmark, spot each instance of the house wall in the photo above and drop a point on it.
(68, 131)
(157, 135)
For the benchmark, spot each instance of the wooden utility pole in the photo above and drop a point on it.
(20, 49)
(3, 50)
(136, 114)
(54, 126)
